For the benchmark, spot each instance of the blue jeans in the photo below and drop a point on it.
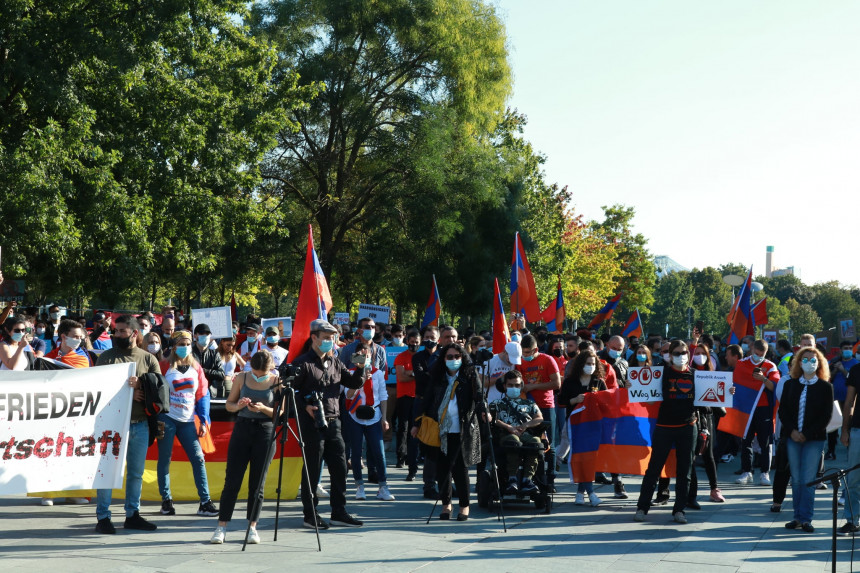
(375, 448)
(187, 434)
(135, 460)
(803, 460)
(586, 487)
(852, 504)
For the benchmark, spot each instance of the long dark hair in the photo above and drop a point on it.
(467, 369)
(9, 325)
(579, 364)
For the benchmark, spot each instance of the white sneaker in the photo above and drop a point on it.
(359, 492)
(594, 499)
(47, 501)
(384, 494)
(764, 480)
(321, 492)
(219, 536)
(640, 515)
(253, 536)
(580, 498)
(745, 478)
(679, 517)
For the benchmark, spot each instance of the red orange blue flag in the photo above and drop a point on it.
(434, 307)
(741, 317)
(314, 299)
(605, 313)
(524, 298)
(555, 314)
(501, 334)
(633, 326)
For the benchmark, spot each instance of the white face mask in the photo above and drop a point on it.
(680, 360)
(73, 343)
(756, 359)
(588, 369)
(700, 359)
(145, 331)
(153, 348)
(809, 367)
(40, 331)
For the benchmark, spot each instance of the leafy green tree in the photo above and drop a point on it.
(803, 317)
(834, 303)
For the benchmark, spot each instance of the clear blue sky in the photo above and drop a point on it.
(728, 125)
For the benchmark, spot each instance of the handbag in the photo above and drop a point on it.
(428, 431)
(365, 412)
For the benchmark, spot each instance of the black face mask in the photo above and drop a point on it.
(556, 352)
(429, 345)
(571, 355)
(413, 347)
(121, 343)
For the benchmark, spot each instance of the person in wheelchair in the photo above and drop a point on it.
(513, 417)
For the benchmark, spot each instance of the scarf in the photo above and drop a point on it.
(801, 406)
(444, 420)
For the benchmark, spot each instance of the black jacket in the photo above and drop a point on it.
(571, 388)
(467, 392)
(156, 399)
(816, 415)
(212, 365)
(314, 375)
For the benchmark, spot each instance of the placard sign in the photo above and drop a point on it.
(341, 318)
(283, 324)
(391, 353)
(712, 388)
(646, 384)
(218, 319)
(377, 313)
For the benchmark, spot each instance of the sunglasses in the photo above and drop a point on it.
(809, 360)
(453, 357)
(20, 330)
(679, 354)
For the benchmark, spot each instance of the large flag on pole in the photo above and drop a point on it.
(501, 334)
(314, 299)
(524, 298)
(759, 312)
(740, 317)
(554, 314)
(605, 313)
(434, 307)
(633, 326)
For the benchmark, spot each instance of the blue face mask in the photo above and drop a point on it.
(745, 347)
(203, 339)
(367, 333)
(272, 339)
(529, 358)
(847, 354)
(516, 337)
(326, 346)
(513, 393)
(453, 365)
(614, 353)
(182, 351)
(17, 336)
(262, 378)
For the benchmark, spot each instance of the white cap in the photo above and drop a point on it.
(514, 352)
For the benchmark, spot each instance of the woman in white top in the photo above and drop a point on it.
(233, 362)
(13, 345)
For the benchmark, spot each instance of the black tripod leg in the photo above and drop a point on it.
(280, 475)
(501, 514)
(305, 465)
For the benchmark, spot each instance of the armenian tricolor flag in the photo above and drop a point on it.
(633, 326)
(605, 313)
(314, 299)
(740, 316)
(749, 394)
(501, 334)
(434, 307)
(759, 312)
(554, 314)
(524, 298)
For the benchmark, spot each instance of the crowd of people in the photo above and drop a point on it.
(446, 393)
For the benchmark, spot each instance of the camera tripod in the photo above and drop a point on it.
(285, 405)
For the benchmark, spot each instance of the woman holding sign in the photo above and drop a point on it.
(805, 410)
(676, 427)
(705, 442)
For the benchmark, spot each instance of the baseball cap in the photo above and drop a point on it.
(514, 352)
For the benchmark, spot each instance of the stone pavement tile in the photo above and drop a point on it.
(670, 567)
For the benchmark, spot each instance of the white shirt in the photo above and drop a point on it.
(244, 349)
(497, 369)
(380, 394)
(453, 413)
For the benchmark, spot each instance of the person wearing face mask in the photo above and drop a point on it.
(785, 352)
(586, 375)
(252, 397)
(14, 345)
(367, 333)
(69, 352)
(41, 337)
(654, 349)
(124, 350)
(168, 327)
(702, 360)
(153, 345)
(839, 368)
(613, 355)
(747, 344)
(512, 417)
(641, 357)
(397, 336)
(233, 363)
(279, 354)
(145, 324)
(407, 446)
(101, 334)
(728, 445)
(804, 411)
(422, 361)
(319, 372)
(453, 403)
(571, 346)
(851, 440)
(253, 343)
(755, 371)
(53, 326)
(189, 398)
(208, 359)
(676, 426)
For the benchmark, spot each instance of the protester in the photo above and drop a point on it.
(422, 361)
(251, 345)
(676, 426)
(100, 336)
(208, 359)
(123, 350)
(14, 344)
(318, 386)
(366, 420)
(513, 417)
(367, 331)
(189, 398)
(758, 372)
(641, 357)
(279, 354)
(252, 397)
(407, 446)
(153, 345)
(586, 375)
(839, 368)
(451, 403)
(702, 360)
(233, 362)
(805, 410)
(851, 440)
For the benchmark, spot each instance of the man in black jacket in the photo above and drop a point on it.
(421, 363)
(319, 377)
(209, 359)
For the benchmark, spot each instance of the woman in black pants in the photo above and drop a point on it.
(452, 403)
(702, 361)
(252, 397)
(676, 426)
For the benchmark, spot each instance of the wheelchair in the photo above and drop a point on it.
(489, 495)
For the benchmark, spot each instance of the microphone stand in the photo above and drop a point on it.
(833, 477)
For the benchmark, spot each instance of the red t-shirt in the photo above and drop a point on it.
(539, 371)
(405, 388)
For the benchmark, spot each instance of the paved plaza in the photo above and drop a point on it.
(740, 535)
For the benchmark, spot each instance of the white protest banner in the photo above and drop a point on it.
(341, 318)
(218, 319)
(64, 429)
(377, 313)
(283, 324)
(391, 353)
(712, 388)
(646, 384)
